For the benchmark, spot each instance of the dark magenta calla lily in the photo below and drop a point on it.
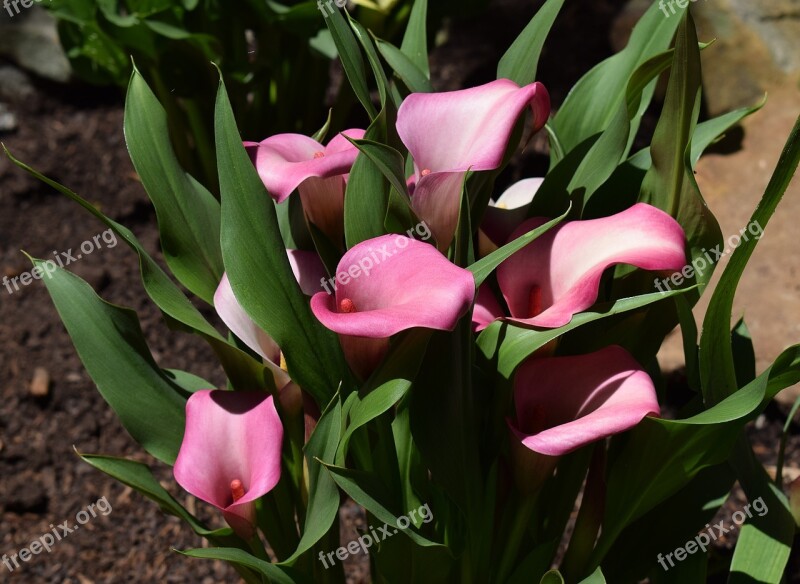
(558, 274)
(231, 452)
(452, 132)
(390, 284)
(563, 403)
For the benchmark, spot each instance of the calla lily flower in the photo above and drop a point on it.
(386, 285)
(231, 453)
(286, 162)
(563, 403)
(558, 275)
(307, 269)
(503, 216)
(453, 132)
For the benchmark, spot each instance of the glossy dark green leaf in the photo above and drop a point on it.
(258, 267)
(273, 572)
(415, 39)
(412, 76)
(111, 346)
(188, 215)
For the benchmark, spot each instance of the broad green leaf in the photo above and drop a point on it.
(414, 78)
(593, 102)
(138, 476)
(710, 131)
(188, 215)
(388, 160)
(274, 573)
(484, 267)
(717, 370)
(765, 541)
(415, 39)
(596, 577)
(521, 61)
(111, 346)
(366, 199)
(258, 267)
(188, 382)
(511, 345)
(243, 371)
(670, 184)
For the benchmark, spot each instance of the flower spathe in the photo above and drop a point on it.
(286, 162)
(558, 274)
(231, 452)
(307, 269)
(387, 285)
(452, 132)
(563, 403)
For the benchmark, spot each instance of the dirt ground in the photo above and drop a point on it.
(74, 135)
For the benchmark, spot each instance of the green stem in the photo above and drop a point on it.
(518, 529)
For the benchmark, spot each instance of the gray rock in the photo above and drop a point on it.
(15, 85)
(30, 39)
(8, 121)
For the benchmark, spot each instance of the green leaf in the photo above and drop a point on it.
(273, 572)
(258, 267)
(415, 39)
(596, 577)
(188, 215)
(138, 476)
(520, 62)
(242, 370)
(511, 345)
(111, 346)
(188, 382)
(484, 267)
(717, 370)
(670, 184)
(414, 78)
(744, 355)
(366, 199)
(388, 160)
(710, 131)
(323, 504)
(352, 59)
(552, 577)
(593, 102)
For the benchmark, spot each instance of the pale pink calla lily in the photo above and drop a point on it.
(386, 285)
(563, 403)
(286, 162)
(231, 452)
(558, 275)
(450, 133)
(308, 270)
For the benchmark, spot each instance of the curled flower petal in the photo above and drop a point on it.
(487, 309)
(564, 403)
(457, 130)
(558, 275)
(284, 161)
(386, 285)
(230, 436)
(400, 284)
(507, 213)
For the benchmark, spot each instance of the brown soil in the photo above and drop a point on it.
(75, 136)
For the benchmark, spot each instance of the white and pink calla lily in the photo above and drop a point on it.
(453, 132)
(558, 275)
(231, 453)
(308, 270)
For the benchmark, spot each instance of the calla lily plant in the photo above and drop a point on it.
(401, 327)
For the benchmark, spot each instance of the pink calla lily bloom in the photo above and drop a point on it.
(286, 162)
(453, 132)
(563, 403)
(308, 270)
(503, 216)
(386, 285)
(558, 275)
(231, 452)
